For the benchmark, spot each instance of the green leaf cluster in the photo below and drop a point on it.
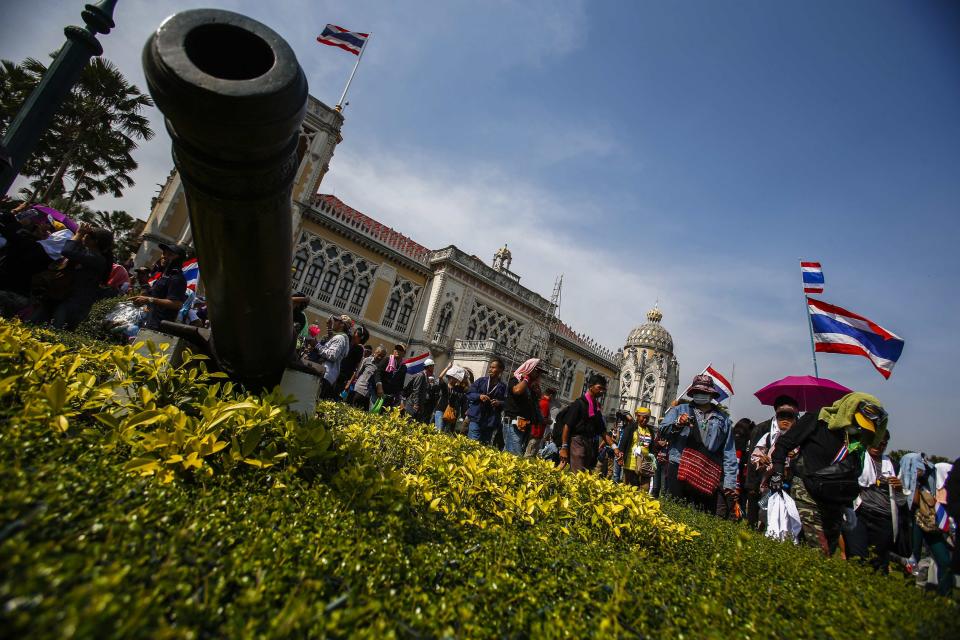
(358, 526)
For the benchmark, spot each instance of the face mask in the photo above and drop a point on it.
(700, 398)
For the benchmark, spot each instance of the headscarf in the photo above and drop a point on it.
(526, 368)
(909, 464)
(839, 415)
(392, 364)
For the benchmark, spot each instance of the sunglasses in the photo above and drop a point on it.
(787, 415)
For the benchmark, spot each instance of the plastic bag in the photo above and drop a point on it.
(377, 405)
(123, 315)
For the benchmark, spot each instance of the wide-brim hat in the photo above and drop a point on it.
(703, 384)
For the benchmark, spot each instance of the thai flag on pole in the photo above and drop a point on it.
(335, 36)
(812, 277)
(836, 330)
(191, 273)
(724, 388)
(415, 364)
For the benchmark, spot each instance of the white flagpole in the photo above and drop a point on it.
(343, 97)
(806, 310)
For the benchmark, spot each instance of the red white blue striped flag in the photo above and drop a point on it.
(335, 36)
(812, 277)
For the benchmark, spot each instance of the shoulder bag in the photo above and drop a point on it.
(696, 468)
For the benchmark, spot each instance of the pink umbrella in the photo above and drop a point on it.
(62, 218)
(812, 393)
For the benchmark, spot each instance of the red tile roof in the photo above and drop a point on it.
(376, 230)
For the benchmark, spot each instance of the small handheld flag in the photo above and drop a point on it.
(836, 330)
(812, 277)
(351, 41)
(191, 273)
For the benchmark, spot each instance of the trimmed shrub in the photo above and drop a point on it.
(140, 500)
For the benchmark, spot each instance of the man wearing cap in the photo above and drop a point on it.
(832, 443)
(702, 426)
(168, 291)
(415, 392)
(332, 352)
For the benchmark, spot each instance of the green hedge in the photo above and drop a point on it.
(140, 501)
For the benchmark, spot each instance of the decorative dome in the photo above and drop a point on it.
(651, 335)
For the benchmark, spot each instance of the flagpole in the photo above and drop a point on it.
(806, 310)
(343, 97)
(733, 382)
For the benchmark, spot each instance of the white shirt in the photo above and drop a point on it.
(332, 353)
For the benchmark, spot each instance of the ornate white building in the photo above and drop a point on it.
(649, 372)
(445, 301)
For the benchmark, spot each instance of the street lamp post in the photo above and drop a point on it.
(34, 116)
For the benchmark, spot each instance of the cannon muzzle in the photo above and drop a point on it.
(234, 96)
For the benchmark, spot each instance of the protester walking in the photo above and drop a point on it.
(331, 353)
(365, 379)
(635, 442)
(702, 457)
(415, 391)
(831, 446)
(538, 430)
(582, 428)
(877, 508)
(485, 397)
(521, 411)
(450, 398)
(391, 373)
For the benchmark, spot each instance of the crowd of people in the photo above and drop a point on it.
(820, 478)
(52, 274)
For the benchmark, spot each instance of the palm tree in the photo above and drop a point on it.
(92, 136)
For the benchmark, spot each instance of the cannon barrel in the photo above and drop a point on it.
(234, 96)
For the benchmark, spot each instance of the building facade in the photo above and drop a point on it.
(446, 302)
(649, 372)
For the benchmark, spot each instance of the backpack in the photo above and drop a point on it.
(836, 484)
(559, 421)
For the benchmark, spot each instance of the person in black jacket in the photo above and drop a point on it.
(169, 291)
(583, 428)
(832, 445)
(389, 377)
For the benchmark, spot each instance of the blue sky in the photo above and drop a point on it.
(686, 151)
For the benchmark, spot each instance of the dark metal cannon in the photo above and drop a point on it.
(234, 96)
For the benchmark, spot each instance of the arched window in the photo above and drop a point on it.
(300, 265)
(313, 275)
(482, 333)
(359, 296)
(343, 290)
(329, 282)
(446, 316)
(404, 317)
(393, 306)
(472, 330)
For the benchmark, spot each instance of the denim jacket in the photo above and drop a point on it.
(717, 436)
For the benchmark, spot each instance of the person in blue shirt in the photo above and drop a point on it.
(700, 423)
(485, 399)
